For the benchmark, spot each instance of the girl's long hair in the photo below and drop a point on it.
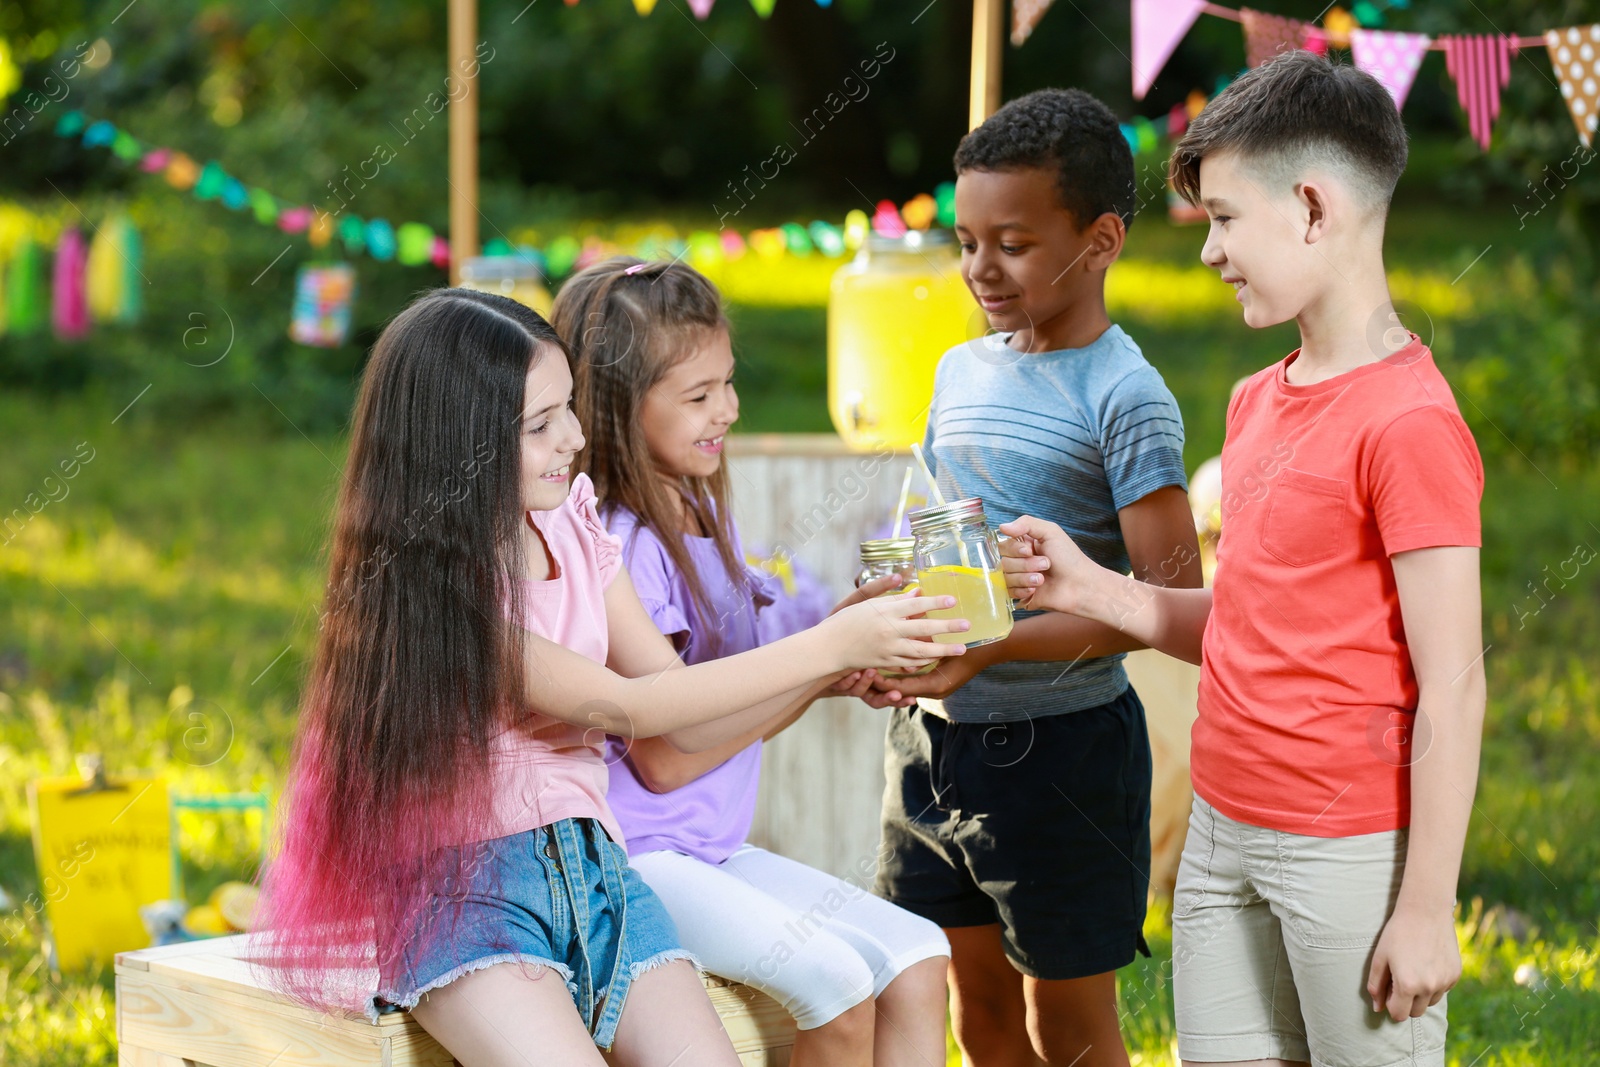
(627, 322)
(418, 665)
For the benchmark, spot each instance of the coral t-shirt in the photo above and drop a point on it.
(546, 770)
(1307, 691)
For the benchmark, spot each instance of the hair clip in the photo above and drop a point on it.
(636, 268)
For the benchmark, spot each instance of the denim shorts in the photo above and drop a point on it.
(560, 897)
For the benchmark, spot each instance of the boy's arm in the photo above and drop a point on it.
(1417, 958)
(1158, 530)
(1045, 569)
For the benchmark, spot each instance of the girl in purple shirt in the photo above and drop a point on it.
(864, 979)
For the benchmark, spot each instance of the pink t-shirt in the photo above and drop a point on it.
(547, 770)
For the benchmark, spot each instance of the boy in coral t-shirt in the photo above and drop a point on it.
(1342, 688)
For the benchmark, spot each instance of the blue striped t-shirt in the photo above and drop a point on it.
(1070, 436)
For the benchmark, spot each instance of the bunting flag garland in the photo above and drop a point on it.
(1266, 35)
(701, 8)
(1392, 58)
(69, 310)
(1575, 55)
(211, 182)
(1481, 67)
(1025, 15)
(415, 244)
(1158, 26)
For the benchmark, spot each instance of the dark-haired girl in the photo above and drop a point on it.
(446, 844)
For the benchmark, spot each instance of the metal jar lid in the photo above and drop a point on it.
(888, 550)
(952, 514)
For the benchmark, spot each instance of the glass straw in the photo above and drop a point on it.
(900, 508)
(916, 451)
(933, 486)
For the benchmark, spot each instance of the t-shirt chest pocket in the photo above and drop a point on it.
(1308, 517)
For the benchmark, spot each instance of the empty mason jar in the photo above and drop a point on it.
(885, 556)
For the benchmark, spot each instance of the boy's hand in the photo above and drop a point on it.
(1416, 963)
(853, 684)
(1044, 569)
(875, 697)
(946, 677)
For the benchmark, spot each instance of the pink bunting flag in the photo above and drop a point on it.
(1025, 15)
(1266, 35)
(1158, 26)
(1392, 58)
(1481, 66)
(69, 305)
(1575, 55)
(701, 8)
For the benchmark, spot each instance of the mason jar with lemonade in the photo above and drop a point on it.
(958, 555)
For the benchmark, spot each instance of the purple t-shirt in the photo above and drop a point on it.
(709, 817)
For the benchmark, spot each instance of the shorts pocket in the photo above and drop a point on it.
(1340, 891)
(1308, 517)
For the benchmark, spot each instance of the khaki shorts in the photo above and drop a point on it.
(1272, 938)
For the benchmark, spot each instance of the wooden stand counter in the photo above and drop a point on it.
(200, 1004)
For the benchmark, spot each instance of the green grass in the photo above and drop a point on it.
(184, 566)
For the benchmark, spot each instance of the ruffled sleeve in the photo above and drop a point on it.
(652, 575)
(766, 588)
(607, 547)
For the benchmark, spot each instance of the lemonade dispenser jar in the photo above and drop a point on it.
(514, 276)
(892, 312)
(958, 555)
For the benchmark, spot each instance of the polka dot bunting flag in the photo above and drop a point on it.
(1575, 55)
(1392, 58)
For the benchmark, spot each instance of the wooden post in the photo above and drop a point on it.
(988, 37)
(462, 47)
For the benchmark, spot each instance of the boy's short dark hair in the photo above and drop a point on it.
(1065, 130)
(1295, 111)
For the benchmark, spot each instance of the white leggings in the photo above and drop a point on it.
(814, 943)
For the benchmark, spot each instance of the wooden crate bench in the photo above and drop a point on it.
(199, 1005)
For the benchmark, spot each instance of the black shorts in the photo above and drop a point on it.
(1040, 825)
